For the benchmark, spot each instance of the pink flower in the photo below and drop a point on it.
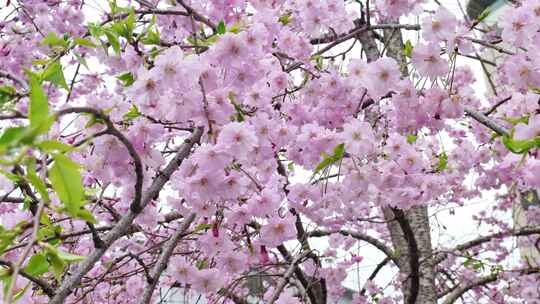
(522, 72)
(210, 158)
(428, 61)
(230, 49)
(233, 262)
(181, 270)
(146, 90)
(439, 27)
(237, 138)
(266, 202)
(277, 231)
(383, 75)
(518, 27)
(528, 131)
(211, 244)
(168, 64)
(393, 8)
(359, 138)
(208, 281)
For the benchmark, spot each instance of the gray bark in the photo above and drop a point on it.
(416, 217)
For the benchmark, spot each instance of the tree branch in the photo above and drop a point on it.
(359, 236)
(163, 259)
(47, 289)
(414, 257)
(463, 288)
(277, 291)
(483, 119)
(111, 129)
(124, 224)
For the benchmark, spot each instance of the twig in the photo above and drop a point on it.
(163, 259)
(277, 291)
(483, 119)
(47, 289)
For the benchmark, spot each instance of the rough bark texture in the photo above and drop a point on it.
(419, 223)
(417, 217)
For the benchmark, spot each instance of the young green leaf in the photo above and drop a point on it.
(39, 104)
(55, 74)
(84, 42)
(11, 137)
(7, 93)
(127, 78)
(113, 40)
(37, 265)
(53, 40)
(443, 162)
(221, 29)
(520, 146)
(408, 48)
(67, 182)
(411, 138)
(54, 146)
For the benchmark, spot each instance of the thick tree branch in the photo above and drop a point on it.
(414, 256)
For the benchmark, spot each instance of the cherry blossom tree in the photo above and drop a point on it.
(148, 146)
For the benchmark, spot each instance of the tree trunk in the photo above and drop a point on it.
(416, 217)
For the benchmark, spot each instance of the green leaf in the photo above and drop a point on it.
(39, 104)
(520, 146)
(443, 162)
(37, 265)
(55, 74)
(339, 152)
(68, 257)
(7, 237)
(127, 78)
(411, 138)
(221, 29)
(21, 292)
(485, 13)
(11, 137)
(57, 265)
(86, 215)
(84, 42)
(151, 37)
(53, 40)
(37, 182)
(132, 114)
(58, 259)
(202, 227)
(81, 59)
(408, 48)
(54, 146)
(95, 30)
(285, 19)
(113, 40)
(328, 160)
(7, 93)
(67, 182)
